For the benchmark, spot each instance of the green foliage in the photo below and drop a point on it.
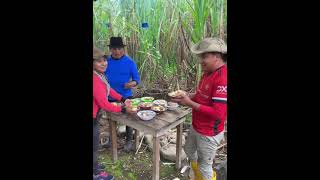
(162, 50)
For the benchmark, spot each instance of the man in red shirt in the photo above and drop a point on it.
(209, 107)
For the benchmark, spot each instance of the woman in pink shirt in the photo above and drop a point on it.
(101, 91)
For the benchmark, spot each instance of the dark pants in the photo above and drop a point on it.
(129, 130)
(129, 133)
(95, 145)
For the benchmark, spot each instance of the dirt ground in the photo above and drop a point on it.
(137, 167)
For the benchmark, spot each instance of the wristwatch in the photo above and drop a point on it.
(123, 99)
(123, 110)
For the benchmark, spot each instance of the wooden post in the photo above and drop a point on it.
(156, 159)
(113, 132)
(136, 137)
(179, 146)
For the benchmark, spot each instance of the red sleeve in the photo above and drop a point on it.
(115, 95)
(100, 97)
(219, 97)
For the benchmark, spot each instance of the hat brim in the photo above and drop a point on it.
(98, 53)
(99, 57)
(117, 45)
(195, 51)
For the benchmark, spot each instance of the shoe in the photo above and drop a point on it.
(196, 171)
(128, 146)
(103, 176)
(101, 166)
(107, 145)
(98, 169)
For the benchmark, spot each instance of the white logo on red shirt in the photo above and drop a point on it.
(221, 90)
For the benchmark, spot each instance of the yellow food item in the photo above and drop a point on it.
(158, 108)
(177, 93)
(160, 102)
(146, 104)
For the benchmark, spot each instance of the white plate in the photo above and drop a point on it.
(172, 106)
(160, 102)
(149, 115)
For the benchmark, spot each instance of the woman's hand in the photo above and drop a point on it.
(129, 111)
(128, 103)
(128, 106)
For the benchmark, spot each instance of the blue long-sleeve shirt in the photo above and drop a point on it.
(121, 71)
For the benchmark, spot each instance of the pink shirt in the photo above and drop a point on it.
(100, 99)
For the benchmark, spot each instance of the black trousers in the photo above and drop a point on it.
(129, 130)
(95, 145)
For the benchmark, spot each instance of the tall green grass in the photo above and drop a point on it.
(162, 51)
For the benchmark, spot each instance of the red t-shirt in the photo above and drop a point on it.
(211, 94)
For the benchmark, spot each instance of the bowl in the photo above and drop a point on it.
(172, 106)
(135, 108)
(145, 105)
(146, 115)
(135, 102)
(158, 108)
(147, 99)
(160, 102)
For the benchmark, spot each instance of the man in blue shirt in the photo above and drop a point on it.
(122, 74)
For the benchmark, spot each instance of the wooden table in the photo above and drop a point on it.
(157, 127)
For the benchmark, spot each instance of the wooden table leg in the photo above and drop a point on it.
(114, 143)
(136, 137)
(156, 159)
(179, 146)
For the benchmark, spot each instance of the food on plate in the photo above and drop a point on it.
(145, 105)
(160, 102)
(134, 108)
(172, 106)
(158, 108)
(147, 99)
(146, 115)
(135, 101)
(177, 93)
